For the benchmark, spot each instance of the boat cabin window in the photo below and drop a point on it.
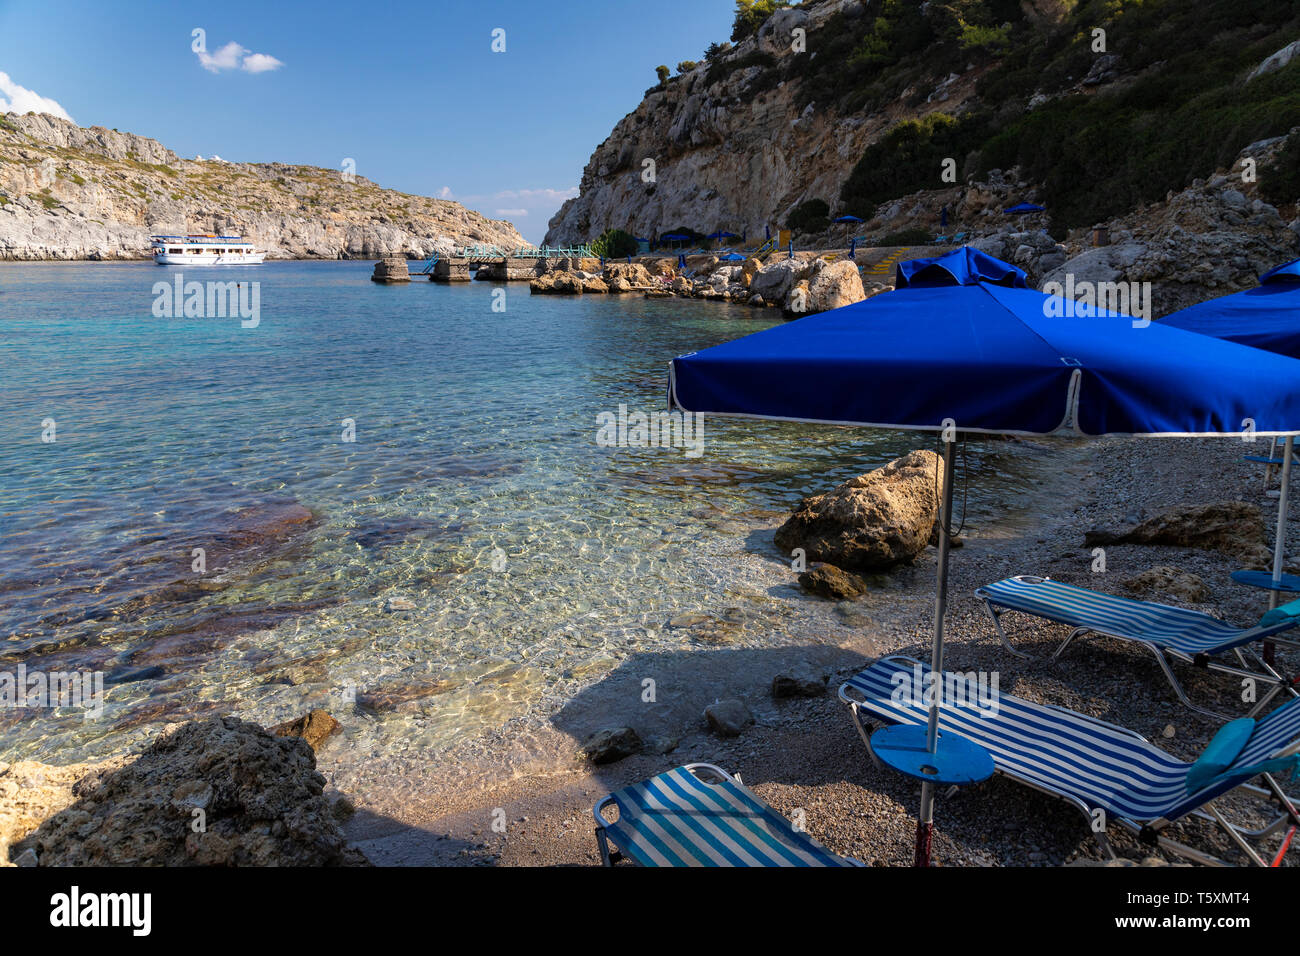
(176, 252)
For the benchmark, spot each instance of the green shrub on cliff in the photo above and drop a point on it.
(750, 15)
(1279, 182)
(910, 157)
(615, 244)
(809, 216)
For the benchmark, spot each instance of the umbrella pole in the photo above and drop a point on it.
(1279, 542)
(925, 822)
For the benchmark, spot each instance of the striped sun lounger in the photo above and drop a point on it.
(1170, 633)
(679, 818)
(1110, 774)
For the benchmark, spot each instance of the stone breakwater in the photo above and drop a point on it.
(797, 286)
(73, 193)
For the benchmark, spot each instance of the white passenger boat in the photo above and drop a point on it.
(204, 251)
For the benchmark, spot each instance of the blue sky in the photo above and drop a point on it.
(411, 91)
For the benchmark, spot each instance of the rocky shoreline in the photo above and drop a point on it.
(522, 796)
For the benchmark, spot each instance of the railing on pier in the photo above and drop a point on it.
(553, 252)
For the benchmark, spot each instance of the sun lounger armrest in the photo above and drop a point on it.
(1281, 618)
(595, 811)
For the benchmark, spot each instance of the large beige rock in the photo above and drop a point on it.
(773, 282)
(557, 283)
(257, 800)
(633, 273)
(31, 793)
(872, 522)
(837, 284)
(1233, 527)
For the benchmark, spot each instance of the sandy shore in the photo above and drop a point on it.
(805, 754)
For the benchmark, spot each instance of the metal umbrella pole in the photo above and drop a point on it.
(925, 822)
(1279, 542)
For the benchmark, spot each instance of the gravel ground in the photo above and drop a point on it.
(805, 754)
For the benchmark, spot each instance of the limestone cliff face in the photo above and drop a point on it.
(732, 154)
(73, 193)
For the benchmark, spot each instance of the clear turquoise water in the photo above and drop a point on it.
(475, 438)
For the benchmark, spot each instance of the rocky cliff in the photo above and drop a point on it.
(858, 104)
(731, 150)
(73, 193)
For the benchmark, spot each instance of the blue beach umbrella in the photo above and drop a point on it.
(723, 235)
(999, 358)
(1265, 317)
(1023, 207)
(848, 219)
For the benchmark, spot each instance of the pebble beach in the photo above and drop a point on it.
(533, 805)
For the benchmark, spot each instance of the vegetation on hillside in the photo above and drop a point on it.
(1180, 110)
(614, 244)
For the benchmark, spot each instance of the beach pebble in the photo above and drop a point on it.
(727, 718)
(799, 681)
(611, 744)
(400, 604)
(688, 619)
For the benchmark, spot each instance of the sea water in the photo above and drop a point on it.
(391, 498)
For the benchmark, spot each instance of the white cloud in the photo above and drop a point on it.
(19, 99)
(260, 63)
(232, 56)
(512, 212)
(444, 192)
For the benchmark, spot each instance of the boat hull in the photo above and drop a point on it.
(225, 259)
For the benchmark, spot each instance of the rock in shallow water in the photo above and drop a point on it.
(872, 522)
(828, 581)
(315, 728)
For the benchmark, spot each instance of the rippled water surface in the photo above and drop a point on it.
(470, 553)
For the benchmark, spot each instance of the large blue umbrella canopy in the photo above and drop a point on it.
(964, 344)
(674, 237)
(848, 219)
(1265, 317)
(723, 235)
(1023, 207)
(1002, 358)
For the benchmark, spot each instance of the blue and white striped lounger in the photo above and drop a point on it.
(1170, 633)
(1110, 774)
(680, 819)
